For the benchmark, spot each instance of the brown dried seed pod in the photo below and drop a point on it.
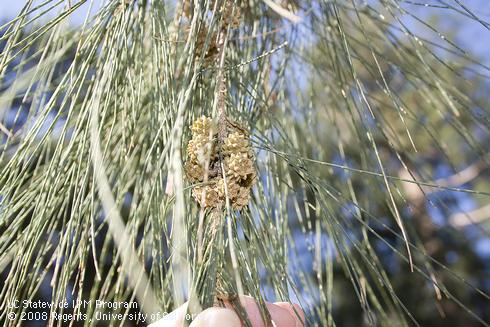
(238, 165)
(203, 126)
(232, 187)
(191, 150)
(193, 171)
(211, 51)
(242, 198)
(236, 143)
(231, 17)
(206, 196)
(204, 149)
(201, 149)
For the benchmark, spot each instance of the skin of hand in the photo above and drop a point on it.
(283, 314)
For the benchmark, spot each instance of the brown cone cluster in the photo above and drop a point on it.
(211, 50)
(205, 153)
(230, 16)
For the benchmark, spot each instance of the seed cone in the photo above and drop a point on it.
(232, 187)
(211, 51)
(238, 166)
(203, 165)
(206, 196)
(230, 17)
(236, 143)
(203, 126)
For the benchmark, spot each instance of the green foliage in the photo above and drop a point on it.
(348, 109)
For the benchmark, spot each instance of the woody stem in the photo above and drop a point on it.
(222, 89)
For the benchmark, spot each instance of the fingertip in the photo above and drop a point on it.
(295, 311)
(216, 317)
(173, 319)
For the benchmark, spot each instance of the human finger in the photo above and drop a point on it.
(282, 317)
(217, 317)
(173, 319)
(295, 311)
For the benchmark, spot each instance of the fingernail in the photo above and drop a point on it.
(295, 311)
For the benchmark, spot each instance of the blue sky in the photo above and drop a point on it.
(10, 8)
(470, 34)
